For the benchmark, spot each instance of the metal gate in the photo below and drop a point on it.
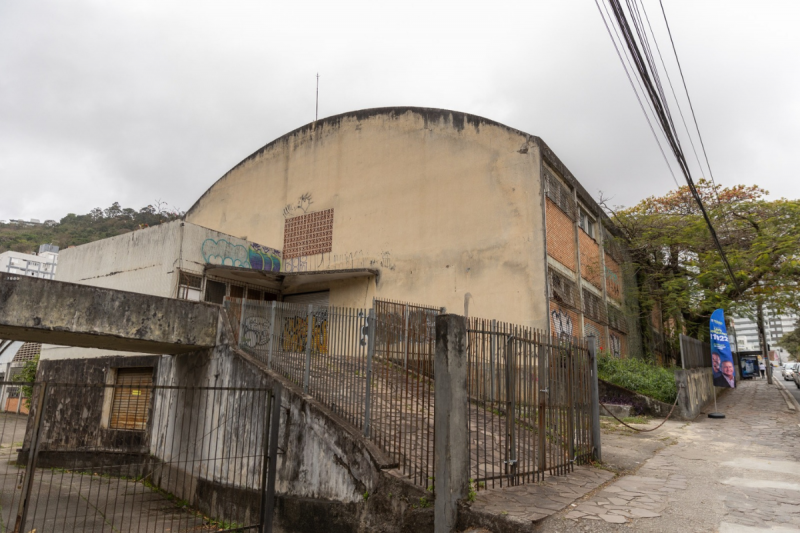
(181, 459)
(530, 403)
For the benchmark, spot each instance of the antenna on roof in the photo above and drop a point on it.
(316, 113)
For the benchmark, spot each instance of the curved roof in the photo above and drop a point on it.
(458, 119)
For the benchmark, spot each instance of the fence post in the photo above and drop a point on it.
(370, 353)
(511, 422)
(405, 338)
(492, 355)
(451, 421)
(33, 449)
(271, 335)
(571, 406)
(597, 455)
(543, 389)
(240, 340)
(309, 338)
(683, 352)
(270, 458)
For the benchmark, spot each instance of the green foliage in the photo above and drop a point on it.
(639, 376)
(791, 343)
(424, 503)
(473, 491)
(74, 230)
(679, 269)
(27, 375)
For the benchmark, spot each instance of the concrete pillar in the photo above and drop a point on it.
(451, 419)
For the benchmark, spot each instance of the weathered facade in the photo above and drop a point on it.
(451, 209)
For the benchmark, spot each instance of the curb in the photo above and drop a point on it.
(791, 403)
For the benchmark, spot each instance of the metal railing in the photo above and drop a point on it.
(322, 349)
(135, 458)
(530, 401)
(403, 405)
(374, 368)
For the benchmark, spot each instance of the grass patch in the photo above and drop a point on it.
(639, 376)
(636, 420)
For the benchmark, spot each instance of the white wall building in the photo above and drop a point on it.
(775, 327)
(41, 265)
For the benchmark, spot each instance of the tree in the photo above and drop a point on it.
(27, 375)
(791, 342)
(678, 266)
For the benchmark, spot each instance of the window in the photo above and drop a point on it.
(586, 223)
(190, 287)
(561, 289)
(131, 404)
(215, 291)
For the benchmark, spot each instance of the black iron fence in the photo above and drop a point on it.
(402, 401)
(374, 368)
(529, 394)
(530, 403)
(157, 458)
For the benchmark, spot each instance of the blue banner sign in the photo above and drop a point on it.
(721, 357)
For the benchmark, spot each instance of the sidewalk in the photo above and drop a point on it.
(740, 474)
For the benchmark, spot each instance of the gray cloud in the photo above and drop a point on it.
(130, 102)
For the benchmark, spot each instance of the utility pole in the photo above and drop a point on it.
(316, 113)
(762, 340)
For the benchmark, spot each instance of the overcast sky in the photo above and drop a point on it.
(143, 100)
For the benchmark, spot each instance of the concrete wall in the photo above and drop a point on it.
(147, 260)
(329, 477)
(44, 311)
(697, 390)
(444, 204)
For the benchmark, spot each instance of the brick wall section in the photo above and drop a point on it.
(613, 279)
(560, 236)
(564, 320)
(590, 260)
(593, 328)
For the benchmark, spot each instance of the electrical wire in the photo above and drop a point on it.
(635, 92)
(647, 70)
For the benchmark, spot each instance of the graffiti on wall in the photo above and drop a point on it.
(254, 256)
(562, 323)
(592, 331)
(255, 332)
(295, 331)
(299, 207)
(615, 343)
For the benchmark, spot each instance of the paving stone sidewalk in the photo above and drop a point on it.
(740, 474)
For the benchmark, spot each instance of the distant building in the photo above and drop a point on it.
(41, 265)
(775, 327)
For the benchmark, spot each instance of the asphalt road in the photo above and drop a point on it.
(790, 386)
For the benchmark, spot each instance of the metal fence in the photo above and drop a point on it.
(530, 403)
(694, 353)
(155, 458)
(374, 368)
(402, 400)
(324, 350)
(529, 394)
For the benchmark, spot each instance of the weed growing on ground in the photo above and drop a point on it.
(639, 376)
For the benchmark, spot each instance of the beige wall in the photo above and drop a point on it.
(443, 204)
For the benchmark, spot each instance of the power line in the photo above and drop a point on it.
(648, 73)
(635, 92)
(686, 90)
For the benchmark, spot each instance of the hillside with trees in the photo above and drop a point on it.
(74, 230)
